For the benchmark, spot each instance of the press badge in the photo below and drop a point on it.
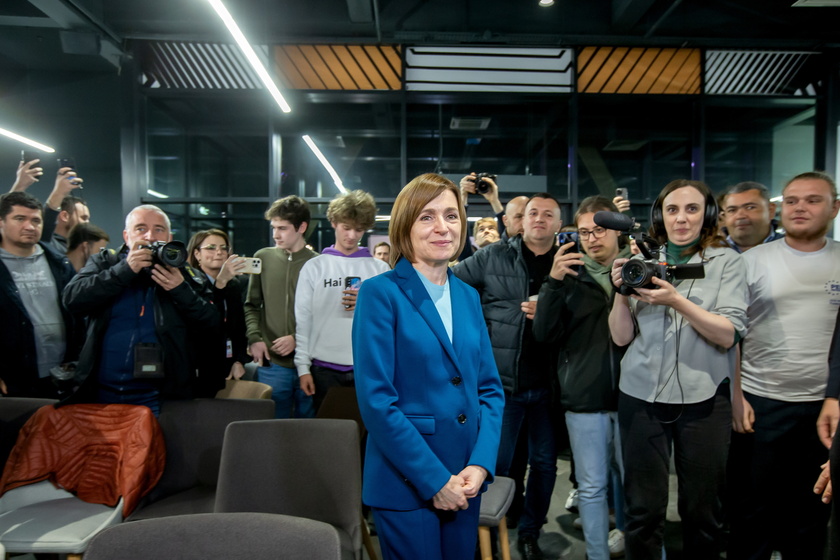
(228, 349)
(148, 361)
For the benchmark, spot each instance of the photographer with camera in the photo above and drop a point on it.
(141, 303)
(574, 305)
(674, 386)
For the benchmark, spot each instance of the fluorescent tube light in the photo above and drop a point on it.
(27, 141)
(325, 163)
(156, 194)
(249, 53)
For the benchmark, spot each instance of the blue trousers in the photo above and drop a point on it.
(535, 405)
(289, 400)
(596, 445)
(427, 533)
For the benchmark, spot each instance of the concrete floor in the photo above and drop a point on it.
(560, 540)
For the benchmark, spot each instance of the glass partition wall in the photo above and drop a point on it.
(220, 160)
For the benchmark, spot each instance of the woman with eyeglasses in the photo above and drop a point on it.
(682, 338)
(209, 252)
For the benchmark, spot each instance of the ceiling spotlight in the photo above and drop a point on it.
(546, 3)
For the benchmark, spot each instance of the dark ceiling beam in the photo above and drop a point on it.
(70, 15)
(22, 21)
(360, 11)
(627, 13)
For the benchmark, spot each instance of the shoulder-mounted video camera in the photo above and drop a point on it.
(639, 273)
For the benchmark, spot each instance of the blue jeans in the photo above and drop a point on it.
(596, 446)
(535, 405)
(289, 400)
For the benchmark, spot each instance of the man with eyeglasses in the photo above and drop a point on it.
(749, 216)
(572, 315)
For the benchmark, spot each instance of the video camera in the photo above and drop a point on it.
(639, 273)
(172, 253)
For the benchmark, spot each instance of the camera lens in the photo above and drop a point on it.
(173, 254)
(635, 273)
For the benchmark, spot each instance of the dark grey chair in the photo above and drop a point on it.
(222, 536)
(194, 431)
(495, 503)
(14, 412)
(302, 467)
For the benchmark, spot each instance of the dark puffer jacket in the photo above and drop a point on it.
(500, 275)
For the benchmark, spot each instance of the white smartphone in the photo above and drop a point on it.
(252, 265)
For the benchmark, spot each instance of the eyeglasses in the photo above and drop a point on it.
(597, 233)
(214, 248)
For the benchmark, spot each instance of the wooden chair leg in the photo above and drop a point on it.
(367, 541)
(504, 542)
(484, 543)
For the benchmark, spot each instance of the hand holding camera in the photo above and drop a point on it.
(483, 184)
(167, 277)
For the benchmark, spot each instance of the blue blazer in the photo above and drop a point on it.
(431, 407)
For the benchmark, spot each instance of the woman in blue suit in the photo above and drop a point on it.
(427, 384)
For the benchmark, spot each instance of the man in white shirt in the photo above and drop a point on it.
(794, 290)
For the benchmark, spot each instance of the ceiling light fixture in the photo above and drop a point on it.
(325, 163)
(27, 141)
(546, 3)
(249, 53)
(156, 194)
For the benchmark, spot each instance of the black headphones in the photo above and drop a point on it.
(710, 216)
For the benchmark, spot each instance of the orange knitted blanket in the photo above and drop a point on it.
(98, 452)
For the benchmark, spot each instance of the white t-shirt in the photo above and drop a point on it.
(323, 325)
(794, 297)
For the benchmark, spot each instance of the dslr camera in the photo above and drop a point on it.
(482, 186)
(171, 253)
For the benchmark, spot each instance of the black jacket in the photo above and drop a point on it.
(500, 275)
(572, 315)
(17, 335)
(182, 315)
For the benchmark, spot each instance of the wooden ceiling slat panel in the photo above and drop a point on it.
(287, 69)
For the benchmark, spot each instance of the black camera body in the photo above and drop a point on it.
(482, 186)
(639, 273)
(171, 253)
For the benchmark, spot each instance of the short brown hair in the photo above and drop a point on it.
(816, 175)
(355, 207)
(594, 203)
(83, 233)
(196, 241)
(293, 209)
(414, 197)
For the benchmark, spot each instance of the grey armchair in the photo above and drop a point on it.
(302, 467)
(218, 536)
(194, 431)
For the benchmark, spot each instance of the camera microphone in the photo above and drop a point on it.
(616, 221)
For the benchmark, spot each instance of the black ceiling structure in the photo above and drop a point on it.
(181, 61)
